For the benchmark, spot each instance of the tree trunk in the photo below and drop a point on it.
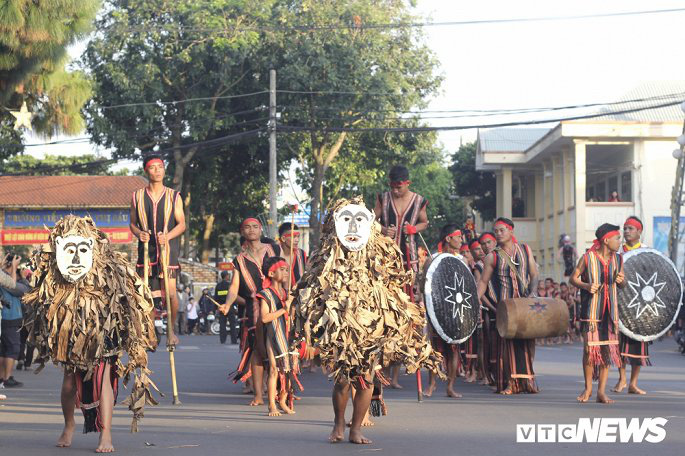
(186, 235)
(209, 226)
(316, 210)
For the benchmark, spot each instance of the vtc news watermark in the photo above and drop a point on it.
(595, 430)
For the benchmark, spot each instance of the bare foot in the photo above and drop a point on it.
(2, 397)
(358, 438)
(470, 379)
(366, 422)
(484, 382)
(173, 341)
(337, 435)
(287, 410)
(256, 402)
(620, 386)
(635, 390)
(453, 394)
(584, 396)
(64, 440)
(396, 386)
(273, 411)
(604, 399)
(105, 444)
(507, 392)
(429, 391)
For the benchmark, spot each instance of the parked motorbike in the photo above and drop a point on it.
(205, 322)
(160, 322)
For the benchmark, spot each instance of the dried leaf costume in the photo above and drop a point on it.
(96, 320)
(352, 307)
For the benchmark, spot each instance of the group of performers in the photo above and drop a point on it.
(273, 287)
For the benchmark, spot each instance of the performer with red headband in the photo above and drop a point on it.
(450, 242)
(289, 240)
(274, 301)
(598, 274)
(480, 336)
(157, 218)
(514, 274)
(402, 215)
(633, 352)
(246, 282)
(490, 339)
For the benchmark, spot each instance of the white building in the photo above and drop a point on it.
(552, 181)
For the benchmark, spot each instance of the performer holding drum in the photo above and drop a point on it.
(514, 275)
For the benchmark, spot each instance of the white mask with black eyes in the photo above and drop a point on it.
(353, 226)
(74, 256)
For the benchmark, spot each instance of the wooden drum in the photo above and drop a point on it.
(532, 318)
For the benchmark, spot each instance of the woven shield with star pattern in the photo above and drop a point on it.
(451, 298)
(649, 302)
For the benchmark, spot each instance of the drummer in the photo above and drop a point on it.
(632, 351)
(450, 242)
(598, 274)
(514, 274)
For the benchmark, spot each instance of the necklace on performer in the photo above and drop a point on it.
(511, 257)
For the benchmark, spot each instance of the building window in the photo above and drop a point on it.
(626, 186)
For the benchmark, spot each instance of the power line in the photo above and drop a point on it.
(290, 128)
(156, 103)
(354, 25)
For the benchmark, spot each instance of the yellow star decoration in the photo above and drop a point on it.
(23, 117)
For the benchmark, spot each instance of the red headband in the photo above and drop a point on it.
(634, 223)
(154, 161)
(398, 183)
(488, 236)
(463, 248)
(454, 233)
(248, 220)
(597, 243)
(502, 222)
(266, 283)
(474, 245)
(290, 234)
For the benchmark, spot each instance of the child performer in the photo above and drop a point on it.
(274, 302)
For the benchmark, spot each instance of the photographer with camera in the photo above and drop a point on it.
(11, 292)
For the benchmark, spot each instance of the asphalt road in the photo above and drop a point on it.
(215, 418)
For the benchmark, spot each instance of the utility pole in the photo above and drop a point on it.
(273, 176)
(676, 201)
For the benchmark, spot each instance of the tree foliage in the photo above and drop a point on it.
(34, 37)
(479, 186)
(351, 77)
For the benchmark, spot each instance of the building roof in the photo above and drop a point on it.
(651, 93)
(68, 191)
(509, 139)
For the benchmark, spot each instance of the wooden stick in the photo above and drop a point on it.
(419, 386)
(146, 262)
(169, 325)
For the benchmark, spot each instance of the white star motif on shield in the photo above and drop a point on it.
(646, 295)
(458, 297)
(23, 117)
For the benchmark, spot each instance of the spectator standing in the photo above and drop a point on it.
(206, 307)
(182, 311)
(220, 295)
(25, 349)
(11, 323)
(191, 312)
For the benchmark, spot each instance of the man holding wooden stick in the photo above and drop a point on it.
(158, 221)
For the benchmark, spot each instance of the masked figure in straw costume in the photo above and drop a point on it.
(88, 309)
(352, 300)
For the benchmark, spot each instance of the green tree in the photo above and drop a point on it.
(57, 165)
(345, 76)
(175, 66)
(479, 186)
(33, 40)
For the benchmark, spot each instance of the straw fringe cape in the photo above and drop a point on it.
(105, 315)
(352, 307)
